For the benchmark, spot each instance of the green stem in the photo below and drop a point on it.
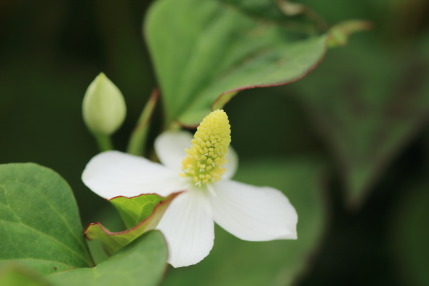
(104, 142)
(137, 141)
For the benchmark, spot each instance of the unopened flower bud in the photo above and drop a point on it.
(103, 107)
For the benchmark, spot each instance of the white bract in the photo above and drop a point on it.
(248, 212)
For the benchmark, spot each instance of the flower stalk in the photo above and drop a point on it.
(137, 143)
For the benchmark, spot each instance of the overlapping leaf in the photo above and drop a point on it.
(141, 263)
(208, 49)
(39, 221)
(14, 275)
(141, 214)
(134, 210)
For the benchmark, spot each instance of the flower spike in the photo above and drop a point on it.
(206, 157)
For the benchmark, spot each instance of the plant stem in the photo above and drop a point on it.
(104, 142)
(137, 141)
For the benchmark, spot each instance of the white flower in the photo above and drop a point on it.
(248, 212)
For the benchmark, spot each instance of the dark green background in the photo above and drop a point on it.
(51, 50)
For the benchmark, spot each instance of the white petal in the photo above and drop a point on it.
(170, 147)
(253, 213)
(231, 164)
(188, 227)
(111, 174)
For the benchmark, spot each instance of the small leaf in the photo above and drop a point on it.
(236, 262)
(146, 210)
(14, 275)
(208, 49)
(40, 224)
(134, 210)
(141, 263)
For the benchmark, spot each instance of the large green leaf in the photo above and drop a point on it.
(236, 262)
(204, 49)
(410, 236)
(141, 263)
(39, 220)
(14, 275)
(367, 103)
(143, 213)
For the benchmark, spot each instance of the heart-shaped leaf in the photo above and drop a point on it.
(236, 262)
(40, 225)
(208, 49)
(141, 263)
(145, 210)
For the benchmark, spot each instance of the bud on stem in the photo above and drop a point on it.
(103, 107)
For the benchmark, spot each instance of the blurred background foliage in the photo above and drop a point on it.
(349, 144)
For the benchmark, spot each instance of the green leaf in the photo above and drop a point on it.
(207, 49)
(113, 221)
(145, 210)
(142, 263)
(14, 275)
(39, 223)
(367, 103)
(410, 236)
(134, 210)
(236, 262)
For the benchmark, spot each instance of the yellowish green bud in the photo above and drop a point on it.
(103, 106)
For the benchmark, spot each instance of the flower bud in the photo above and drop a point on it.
(103, 107)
